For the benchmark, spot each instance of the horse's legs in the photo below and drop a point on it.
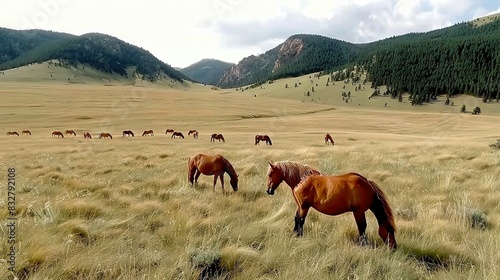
(197, 175)
(222, 181)
(360, 218)
(300, 218)
(192, 172)
(215, 180)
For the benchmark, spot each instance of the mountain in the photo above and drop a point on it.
(102, 52)
(298, 55)
(207, 71)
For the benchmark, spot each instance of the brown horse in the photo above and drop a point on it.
(169, 131)
(194, 132)
(216, 136)
(329, 139)
(266, 138)
(70, 132)
(148, 132)
(12, 133)
(87, 135)
(57, 133)
(334, 195)
(27, 132)
(215, 165)
(105, 135)
(174, 134)
(128, 133)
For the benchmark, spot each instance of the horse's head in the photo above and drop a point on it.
(234, 182)
(274, 178)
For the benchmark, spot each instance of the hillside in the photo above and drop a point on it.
(298, 55)
(102, 52)
(207, 71)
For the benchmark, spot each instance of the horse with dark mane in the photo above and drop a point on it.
(57, 133)
(216, 136)
(176, 133)
(266, 138)
(334, 195)
(27, 132)
(12, 133)
(87, 135)
(105, 135)
(148, 132)
(215, 165)
(169, 131)
(128, 133)
(70, 132)
(329, 139)
(194, 132)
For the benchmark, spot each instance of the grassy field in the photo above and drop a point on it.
(123, 208)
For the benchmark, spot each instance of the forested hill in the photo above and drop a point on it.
(460, 59)
(102, 52)
(208, 71)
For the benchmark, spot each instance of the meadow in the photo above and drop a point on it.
(123, 208)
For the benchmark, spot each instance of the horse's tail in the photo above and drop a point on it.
(381, 207)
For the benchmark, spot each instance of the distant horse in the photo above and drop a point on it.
(70, 132)
(12, 133)
(194, 132)
(148, 132)
(219, 137)
(266, 138)
(105, 135)
(169, 131)
(128, 133)
(87, 135)
(329, 139)
(27, 132)
(175, 134)
(57, 133)
(335, 195)
(215, 165)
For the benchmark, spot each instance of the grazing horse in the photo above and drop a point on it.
(70, 132)
(12, 133)
(169, 131)
(174, 134)
(57, 133)
(128, 133)
(27, 132)
(335, 195)
(105, 135)
(329, 139)
(194, 132)
(148, 132)
(266, 138)
(216, 136)
(215, 165)
(87, 135)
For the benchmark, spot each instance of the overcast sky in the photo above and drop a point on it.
(181, 32)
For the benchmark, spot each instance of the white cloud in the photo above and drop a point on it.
(182, 31)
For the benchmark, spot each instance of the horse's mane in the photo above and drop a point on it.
(230, 169)
(295, 171)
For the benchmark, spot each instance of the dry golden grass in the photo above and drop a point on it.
(123, 209)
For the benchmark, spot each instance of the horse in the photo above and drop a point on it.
(329, 139)
(128, 132)
(335, 195)
(70, 132)
(266, 138)
(12, 133)
(194, 132)
(57, 133)
(169, 131)
(216, 136)
(105, 135)
(87, 135)
(27, 132)
(174, 134)
(215, 165)
(148, 132)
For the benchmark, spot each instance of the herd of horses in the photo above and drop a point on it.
(330, 195)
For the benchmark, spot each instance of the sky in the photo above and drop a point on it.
(182, 32)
